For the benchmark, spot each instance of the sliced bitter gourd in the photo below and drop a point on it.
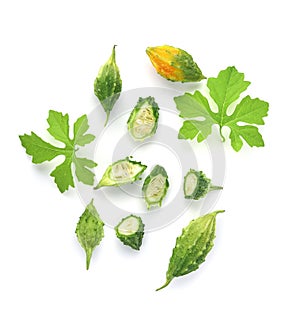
(143, 119)
(155, 186)
(130, 231)
(197, 185)
(121, 172)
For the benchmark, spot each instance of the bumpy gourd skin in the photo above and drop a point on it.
(108, 84)
(162, 186)
(174, 64)
(89, 231)
(144, 116)
(192, 247)
(135, 239)
(202, 186)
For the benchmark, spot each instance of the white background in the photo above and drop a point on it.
(50, 55)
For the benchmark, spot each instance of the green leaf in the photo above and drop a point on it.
(63, 175)
(224, 90)
(59, 127)
(89, 231)
(193, 128)
(42, 151)
(82, 172)
(249, 133)
(80, 128)
(249, 111)
(192, 106)
(192, 247)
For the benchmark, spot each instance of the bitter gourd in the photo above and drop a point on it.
(89, 231)
(108, 84)
(121, 172)
(143, 119)
(155, 186)
(197, 185)
(174, 64)
(192, 247)
(130, 231)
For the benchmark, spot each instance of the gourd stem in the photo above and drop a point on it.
(88, 258)
(165, 285)
(113, 54)
(98, 186)
(107, 117)
(213, 187)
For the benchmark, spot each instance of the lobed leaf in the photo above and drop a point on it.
(63, 177)
(82, 171)
(59, 127)
(42, 151)
(224, 90)
(80, 128)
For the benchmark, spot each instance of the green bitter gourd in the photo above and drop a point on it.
(143, 119)
(130, 231)
(196, 185)
(108, 84)
(89, 231)
(121, 172)
(155, 186)
(192, 247)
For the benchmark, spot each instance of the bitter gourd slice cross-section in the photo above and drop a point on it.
(121, 172)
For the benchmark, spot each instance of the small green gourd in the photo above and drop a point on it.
(155, 186)
(130, 231)
(143, 120)
(192, 247)
(121, 172)
(108, 84)
(196, 185)
(89, 231)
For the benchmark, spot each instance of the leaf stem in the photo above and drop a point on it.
(222, 136)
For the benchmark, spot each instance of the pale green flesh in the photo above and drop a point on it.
(143, 123)
(190, 184)
(155, 189)
(129, 226)
(123, 172)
